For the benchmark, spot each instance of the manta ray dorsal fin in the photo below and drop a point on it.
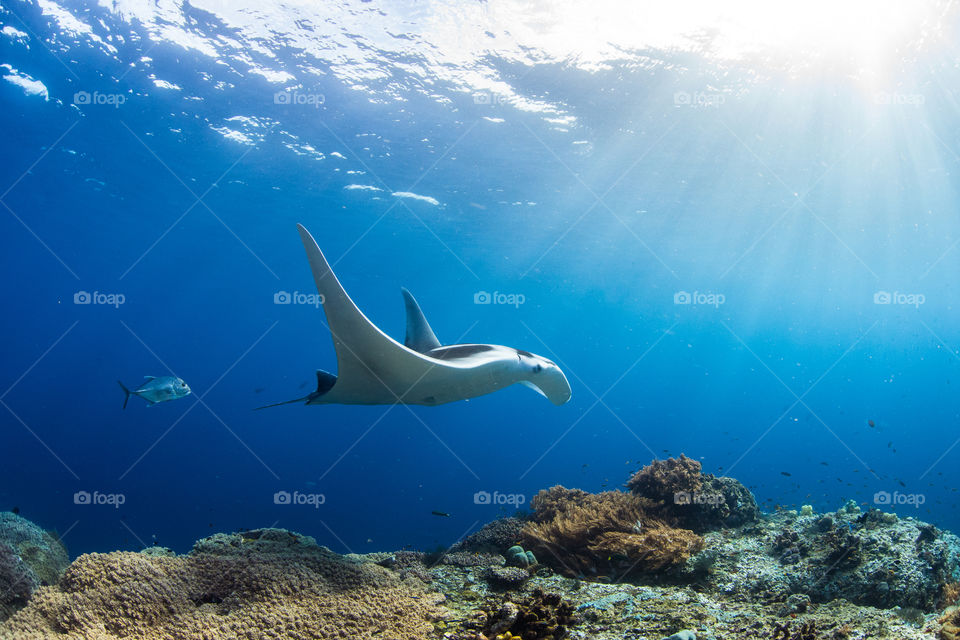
(372, 367)
(420, 336)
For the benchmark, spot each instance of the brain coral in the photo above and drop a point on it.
(267, 583)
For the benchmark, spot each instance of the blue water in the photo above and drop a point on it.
(794, 194)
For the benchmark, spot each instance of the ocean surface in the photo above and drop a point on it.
(735, 229)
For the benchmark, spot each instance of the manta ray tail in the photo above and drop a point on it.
(277, 404)
(325, 382)
(126, 391)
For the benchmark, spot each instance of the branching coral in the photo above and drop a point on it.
(605, 533)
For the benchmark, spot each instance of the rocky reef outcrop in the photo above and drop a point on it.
(869, 558)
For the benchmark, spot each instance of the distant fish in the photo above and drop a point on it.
(871, 423)
(786, 473)
(258, 390)
(15, 510)
(441, 514)
(825, 464)
(156, 390)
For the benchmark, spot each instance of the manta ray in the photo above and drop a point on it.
(373, 368)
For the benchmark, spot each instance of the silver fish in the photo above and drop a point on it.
(156, 390)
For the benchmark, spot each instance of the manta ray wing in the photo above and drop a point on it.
(372, 367)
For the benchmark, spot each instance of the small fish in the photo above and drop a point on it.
(156, 390)
(871, 423)
(15, 510)
(901, 483)
(442, 514)
(825, 464)
(786, 473)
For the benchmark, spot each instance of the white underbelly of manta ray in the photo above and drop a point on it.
(373, 368)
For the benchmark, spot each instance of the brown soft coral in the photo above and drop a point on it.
(274, 585)
(950, 624)
(661, 480)
(582, 534)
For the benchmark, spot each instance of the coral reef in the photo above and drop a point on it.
(517, 557)
(508, 577)
(663, 479)
(29, 557)
(869, 558)
(40, 550)
(228, 587)
(493, 537)
(950, 624)
(17, 581)
(603, 534)
(540, 616)
(676, 491)
(803, 631)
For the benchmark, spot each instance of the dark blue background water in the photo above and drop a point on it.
(797, 199)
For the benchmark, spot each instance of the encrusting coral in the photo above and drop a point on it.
(267, 579)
